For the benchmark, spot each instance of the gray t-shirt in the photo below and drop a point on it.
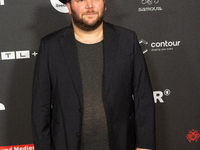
(94, 134)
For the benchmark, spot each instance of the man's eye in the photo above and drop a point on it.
(80, 0)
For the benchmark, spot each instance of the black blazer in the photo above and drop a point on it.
(57, 93)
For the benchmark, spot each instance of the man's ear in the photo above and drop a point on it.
(105, 4)
(69, 8)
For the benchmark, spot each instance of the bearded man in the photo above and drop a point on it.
(91, 88)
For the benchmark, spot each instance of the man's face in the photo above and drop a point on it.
(87, 14)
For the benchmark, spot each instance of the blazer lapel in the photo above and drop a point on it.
(111, 39)
(70, 53)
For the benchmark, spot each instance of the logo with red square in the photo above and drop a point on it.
(193, 135)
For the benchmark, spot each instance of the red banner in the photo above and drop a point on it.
(18, 147)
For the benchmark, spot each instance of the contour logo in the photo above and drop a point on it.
(2, 107)
(165, 44)
(59, 6)
(160, 46)
(1, 2)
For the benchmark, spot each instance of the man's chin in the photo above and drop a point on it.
(90, 23)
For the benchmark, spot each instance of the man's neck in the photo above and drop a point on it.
(88, 37)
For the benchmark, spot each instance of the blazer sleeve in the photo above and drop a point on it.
(41, 101)
(144, 103)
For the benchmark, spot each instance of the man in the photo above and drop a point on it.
(91, 88)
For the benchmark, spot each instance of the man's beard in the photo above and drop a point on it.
(80, 23)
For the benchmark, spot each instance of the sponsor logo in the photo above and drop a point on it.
(22, 54)
(163, 46)
(150, 2)
(1, 2)
(158, 95)
(7, 55)
(143, 42)
(18, 147)
(193, 135)
(15, 55)
(151, 5)
(160, 46)
(59, 6)
(34, 53)
(2, 107)
(25, 54)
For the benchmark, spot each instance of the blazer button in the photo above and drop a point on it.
(78, 134)
(81, 110)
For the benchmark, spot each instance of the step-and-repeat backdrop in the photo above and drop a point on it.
(169, 33)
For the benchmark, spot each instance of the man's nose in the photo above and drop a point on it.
(89, 4)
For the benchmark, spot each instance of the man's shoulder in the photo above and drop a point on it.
(56, 34)
(120, 29)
